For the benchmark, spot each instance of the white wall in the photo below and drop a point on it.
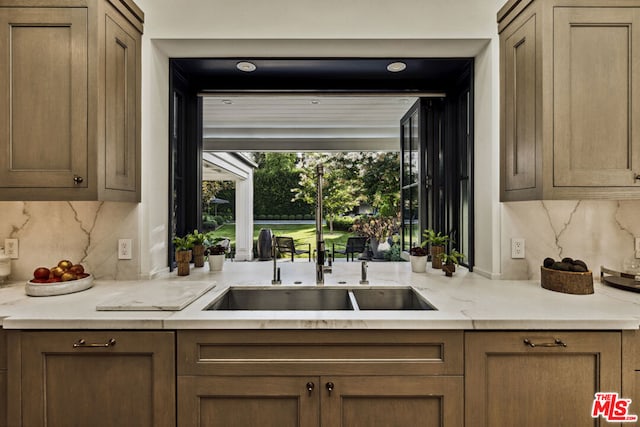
(323, 29)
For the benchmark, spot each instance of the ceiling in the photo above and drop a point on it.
(303, 122)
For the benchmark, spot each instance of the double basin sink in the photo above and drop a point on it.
(319, 299)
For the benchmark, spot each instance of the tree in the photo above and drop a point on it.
(381, 178)
(341, 191)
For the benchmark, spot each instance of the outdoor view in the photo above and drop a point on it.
(361, 197)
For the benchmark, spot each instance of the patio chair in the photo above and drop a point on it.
(354, 245)
(285, 245)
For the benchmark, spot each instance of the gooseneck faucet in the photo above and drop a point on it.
(321, 269)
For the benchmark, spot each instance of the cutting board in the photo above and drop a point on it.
(156, 296)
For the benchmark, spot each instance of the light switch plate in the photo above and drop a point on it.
(124, 249)
(11, 248)
(517, 248)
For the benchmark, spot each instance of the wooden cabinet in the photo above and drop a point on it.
(320, 378)
(92, 378)
(533, 379)
(70, 103)
(631, 369)
(569, 97)
(3, 378)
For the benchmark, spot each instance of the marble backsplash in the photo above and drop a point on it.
(83, 232)
(597, 231)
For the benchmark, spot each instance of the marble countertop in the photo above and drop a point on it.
(466, 301)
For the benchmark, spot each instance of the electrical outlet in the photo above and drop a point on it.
(517, 248)
(124, 249)
(637, 247)
(11, 248)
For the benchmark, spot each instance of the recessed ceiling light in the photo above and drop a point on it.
(246, 66)
(227, 101)
(396, 67)
(315, 101)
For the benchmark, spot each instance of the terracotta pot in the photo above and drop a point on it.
(198, 255)
(216, 262)
(418, 263)
(183, 258)
(436, 261)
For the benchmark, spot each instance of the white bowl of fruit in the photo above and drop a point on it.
(64, 278)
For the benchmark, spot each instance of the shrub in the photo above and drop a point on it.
(343, 223)
(298, 216)
(307, 216)
(219, 219)
(209, 225)
(262, 217)
(270, 216)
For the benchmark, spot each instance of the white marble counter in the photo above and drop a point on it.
(466, 301)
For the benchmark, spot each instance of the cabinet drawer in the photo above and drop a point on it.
(319, 352)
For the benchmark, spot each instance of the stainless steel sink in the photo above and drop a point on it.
(319, 299)
(390, 299)
(241, 298)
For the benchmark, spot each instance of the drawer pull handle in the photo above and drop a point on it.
(636, 177)
(556, 343)
(83, 344)
(310, 387)
(330, 387)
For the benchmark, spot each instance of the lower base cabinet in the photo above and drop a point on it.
(320, 378)
(3, 379)
(538, 378)
(631, 369)
(83, 378)
(356, 401)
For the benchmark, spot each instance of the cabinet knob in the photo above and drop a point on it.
(77, 179)
(330, 387)
(310, 387)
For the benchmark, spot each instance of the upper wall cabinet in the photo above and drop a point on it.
(569, 99)
(70, 100)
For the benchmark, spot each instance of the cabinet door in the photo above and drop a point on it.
(248, 401)
(631, 369)
(43, 106)
(596, 97)
(510, 383)
(519, 113)
(122, 114)
(396, 401)
(96, 381)
(3, 379)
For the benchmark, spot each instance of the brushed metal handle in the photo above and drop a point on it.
(330, 387)
(83, 344)
(77, 179)
(310, 387)
(556, 343)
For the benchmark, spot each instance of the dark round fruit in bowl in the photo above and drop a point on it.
(567, 260)
(580, 263)
(563, 266)
(556, 265)
(548, 262)
(578, 268)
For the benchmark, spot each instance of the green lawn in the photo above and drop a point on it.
(301, 233)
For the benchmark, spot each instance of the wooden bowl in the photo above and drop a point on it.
(568, 282)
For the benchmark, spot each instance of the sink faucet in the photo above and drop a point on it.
(363, 273)
(321, 269)
(276, 270)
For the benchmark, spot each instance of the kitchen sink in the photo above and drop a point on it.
(319, 299)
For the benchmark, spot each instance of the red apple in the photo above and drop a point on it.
(83, 275)
(39, 280)
(76, 269)
(54, 280)
(41, 273)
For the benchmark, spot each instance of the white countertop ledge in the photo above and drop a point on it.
(465, 302)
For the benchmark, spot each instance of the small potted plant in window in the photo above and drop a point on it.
(436, 242)
(183, 247)
(198, 240)
(418, 258)
(449, 261)
(216, 252)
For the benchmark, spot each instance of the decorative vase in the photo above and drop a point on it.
(198, 255)
(183, 258)
(436, 261)
(216, 262)
(449, 269)
(418, 263)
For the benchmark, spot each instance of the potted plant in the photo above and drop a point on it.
(449, 261)
(183, 247)
(216, 252)
(436, 242)
(198, 240)
(377, 229)
(418, 258)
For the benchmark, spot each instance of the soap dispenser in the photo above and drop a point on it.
(5, 266)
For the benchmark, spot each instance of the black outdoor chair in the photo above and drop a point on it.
(354, 245)
(285, 245)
